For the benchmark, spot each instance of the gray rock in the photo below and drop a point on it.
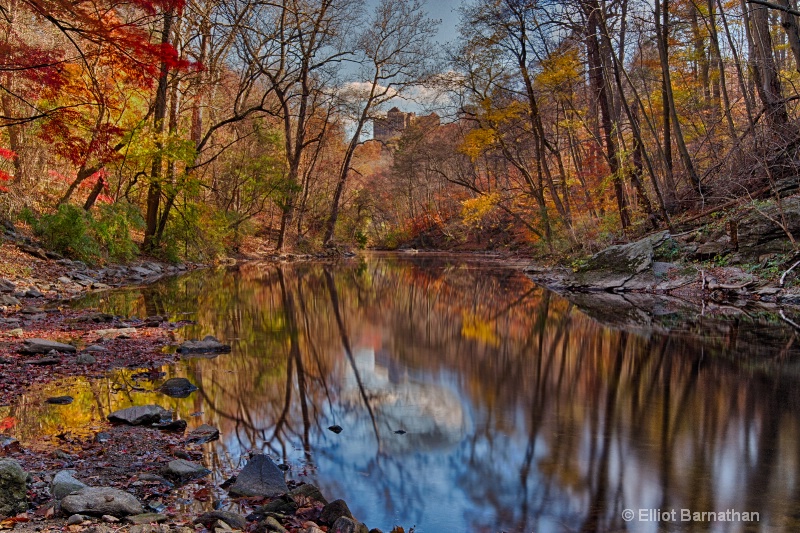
(333, 511)
(183, 470)
(75, 519)
(139, 415)
(203, 434)
(13, 489)
(95, 348)
(7, 299)
(208, 345)
(33, 293)
(236, 521)
(64, 484)
(143, 271)
(260, 477)
(6, 286)
(613, 267)
(177, 388)
(347, 525)
(99, 501)
(37, 346)
(271, 524)
(85, 359)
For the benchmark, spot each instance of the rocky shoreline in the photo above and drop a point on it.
(140, 470)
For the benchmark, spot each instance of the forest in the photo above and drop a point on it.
(197, 129)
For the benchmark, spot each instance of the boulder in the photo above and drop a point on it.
(99, 501)
(40, 346)
(260, 477)
(333, 511)
(208, 345)
(177, 388)
(6, 286)
(611, 268)
(139, 415)
(13, 489)
(64, 484)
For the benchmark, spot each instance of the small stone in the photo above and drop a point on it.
(102, 437)
(177, 388)
(60, 400)
(31, 310)
(16, 332)
(178, 426)
(208, 345)
(95, 348)
(110, 519)
(65, 280)
(139, 415)
(236, 521)
(33, 293)
(184, 470)
(335, 428)
(43, 346)
(271, 524)
(75, 520)
(203, 434)
(85, 359)
(64, 484)
(115, 333)
(6, 286)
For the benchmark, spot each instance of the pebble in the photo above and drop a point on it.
(75, 519)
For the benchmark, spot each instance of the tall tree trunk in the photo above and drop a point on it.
(748, 102)
(789, 24)
(716, 58)
(159, 114)
(767, 82)
(662, 38)
(601, 94)
(686, 159)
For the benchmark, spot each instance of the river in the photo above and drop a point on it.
(471, 400)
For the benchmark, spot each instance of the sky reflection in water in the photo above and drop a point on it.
(520, 413)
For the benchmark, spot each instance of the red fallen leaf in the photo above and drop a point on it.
(203, 494)
(7, 423)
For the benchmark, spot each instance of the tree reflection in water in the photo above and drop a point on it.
(520, 413)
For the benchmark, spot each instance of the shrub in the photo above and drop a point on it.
(75, 233)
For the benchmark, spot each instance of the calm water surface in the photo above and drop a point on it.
(473, 401)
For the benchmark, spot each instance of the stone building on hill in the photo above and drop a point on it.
(392, 126)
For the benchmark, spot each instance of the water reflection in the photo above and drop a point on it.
(470, 400)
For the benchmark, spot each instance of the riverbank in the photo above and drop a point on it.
(128, 474)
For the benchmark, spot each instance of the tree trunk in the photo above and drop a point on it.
(686, 159)
(767, 82)
(159, 114)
